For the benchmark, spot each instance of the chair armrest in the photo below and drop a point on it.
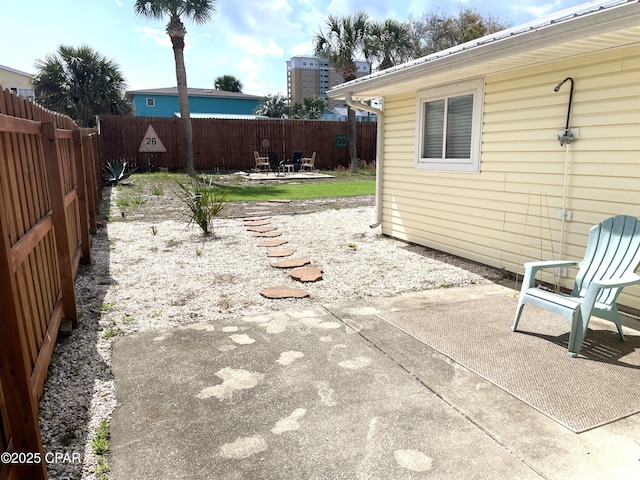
(618, 282)
(550, 264)
(531, 268)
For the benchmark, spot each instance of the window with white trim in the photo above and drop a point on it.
(151, 102)
(448, 127)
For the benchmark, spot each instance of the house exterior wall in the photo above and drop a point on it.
(506, 214)
(167, 105)
(16, 81)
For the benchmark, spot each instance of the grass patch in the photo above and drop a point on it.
(100, 446)
(112, 332)
(106, 306)
(298, 192)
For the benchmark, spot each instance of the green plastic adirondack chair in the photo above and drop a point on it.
(609, 264)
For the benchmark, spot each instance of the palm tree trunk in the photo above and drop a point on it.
(352, 137)
(183, 100)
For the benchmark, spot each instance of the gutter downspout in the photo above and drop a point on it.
(379, 144)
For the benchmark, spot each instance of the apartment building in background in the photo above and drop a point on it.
(312, 77)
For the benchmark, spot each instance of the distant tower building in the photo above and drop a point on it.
(312, 77)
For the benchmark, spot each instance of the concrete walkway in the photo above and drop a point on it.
(335, 393)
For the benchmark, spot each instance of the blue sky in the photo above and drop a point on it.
(250, 39)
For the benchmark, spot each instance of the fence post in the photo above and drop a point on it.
(83, 204)
(59, 218)
(89, 151)
(15, 369)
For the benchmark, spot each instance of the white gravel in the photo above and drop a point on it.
(156, 275)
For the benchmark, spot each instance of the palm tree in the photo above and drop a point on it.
(228, 83)
(344, 39)
(391, 43)
(274, 106)
(81, 83)
(198, 11)
(309, 108)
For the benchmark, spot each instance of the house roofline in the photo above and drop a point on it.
(586, 20)
(193, 92)
(13, 70)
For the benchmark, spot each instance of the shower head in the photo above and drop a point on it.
(557, 88)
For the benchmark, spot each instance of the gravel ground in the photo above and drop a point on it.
(151, 271)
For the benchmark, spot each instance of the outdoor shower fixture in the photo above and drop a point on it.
(567, 136)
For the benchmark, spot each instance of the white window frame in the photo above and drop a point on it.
(151, 102)
(472, 164)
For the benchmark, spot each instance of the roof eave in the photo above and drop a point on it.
(589, 25)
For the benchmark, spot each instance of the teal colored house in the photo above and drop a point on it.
(163, 102)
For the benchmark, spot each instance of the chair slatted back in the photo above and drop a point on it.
(613, 250)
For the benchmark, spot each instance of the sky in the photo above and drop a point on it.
(249, 39)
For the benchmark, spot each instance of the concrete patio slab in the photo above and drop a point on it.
(334, 392)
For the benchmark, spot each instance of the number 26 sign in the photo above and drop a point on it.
(151, 142)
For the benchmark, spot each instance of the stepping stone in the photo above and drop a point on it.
(261, 229)
(256, 219)
(280, 201)
(267, 234)
(256, 223)
(307, 274)
(273, 243)
(283, 252)
(282, 291)
(291, 263)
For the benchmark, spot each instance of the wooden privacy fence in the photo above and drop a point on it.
(223, 144)
(50, 185)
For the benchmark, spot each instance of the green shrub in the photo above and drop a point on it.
(201, 202)
(115, 171)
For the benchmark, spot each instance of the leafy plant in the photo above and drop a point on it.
(115, 171)
(202, 203)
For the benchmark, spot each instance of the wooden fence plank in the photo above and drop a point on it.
(46, 205)
(15, 369)
(55, 174)
(83, 209)
(228, 144)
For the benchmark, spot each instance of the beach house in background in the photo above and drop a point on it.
(203, 102)
(17, 81)
(508, 148)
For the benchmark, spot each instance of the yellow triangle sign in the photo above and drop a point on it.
(151, 142)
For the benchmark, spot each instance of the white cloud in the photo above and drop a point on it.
(534, 10)
(256, 46)
(305, 48)
(158, 36)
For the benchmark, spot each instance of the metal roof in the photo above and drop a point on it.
(194, 92)
(583, 29)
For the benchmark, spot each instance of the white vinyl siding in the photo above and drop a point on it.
(507, 214)
(448, 130)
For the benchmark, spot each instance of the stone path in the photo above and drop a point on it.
(259, 224)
